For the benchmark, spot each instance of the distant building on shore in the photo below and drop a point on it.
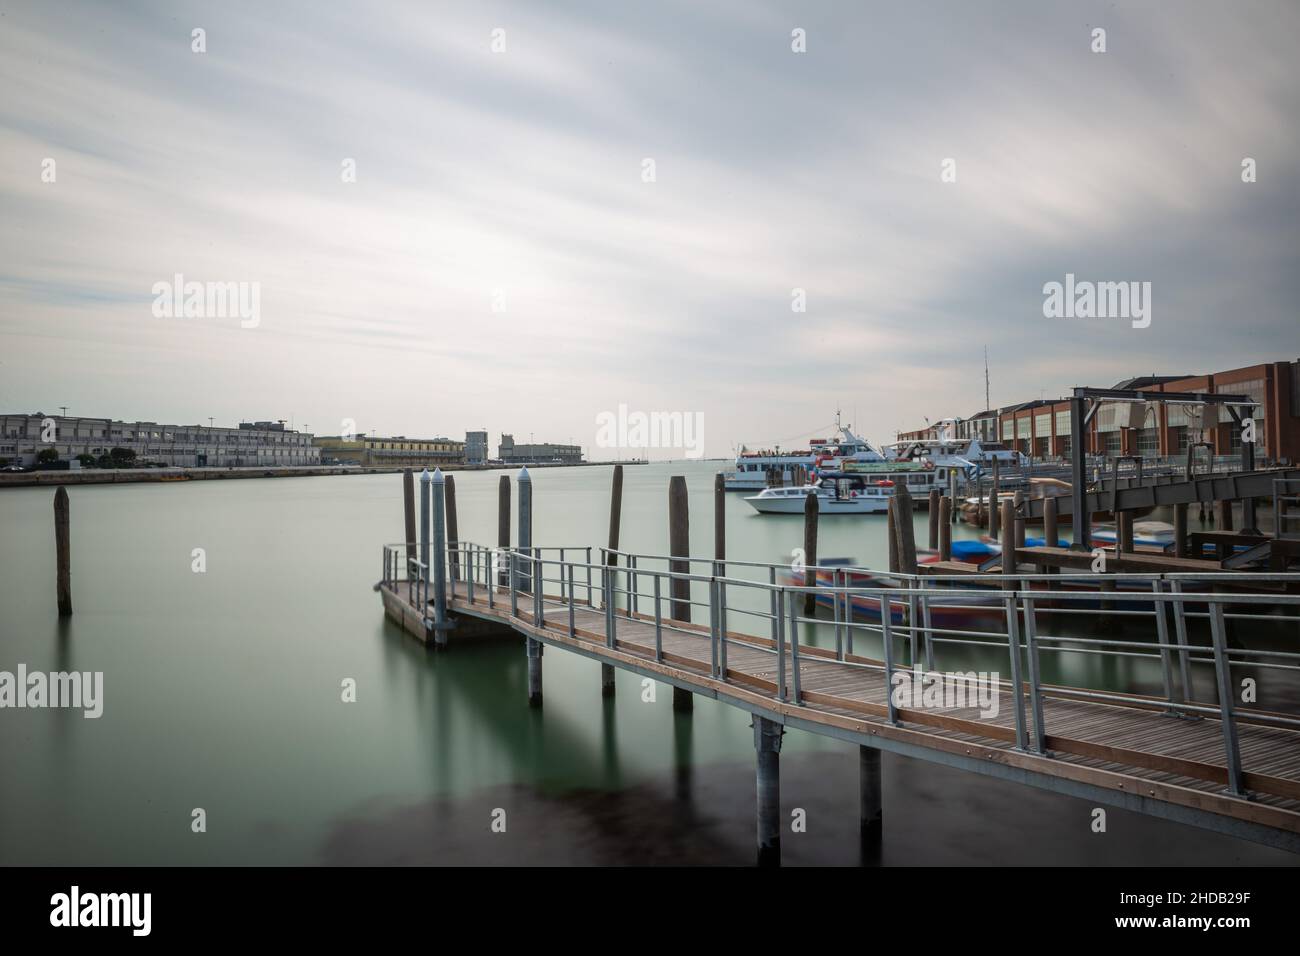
(251, 444)
(397, 451)
(512, 454)
(1041, 428)
(476, 448)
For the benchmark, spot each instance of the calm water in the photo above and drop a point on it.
(222, 691)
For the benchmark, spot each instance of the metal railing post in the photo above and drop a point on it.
(779, 605)
(1017, 691)
(1227, 718)
(1035, 681)
(573, 629)
(794, 651)
(1162, 635)
(927, 631)
(722, 622)
(659, 625)
(1180, 634)
(538, 569)
(514, 584)
(887, 646)
(835, 609)
(713, 627)
(591, 598)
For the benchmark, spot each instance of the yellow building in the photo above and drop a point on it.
(395, 452)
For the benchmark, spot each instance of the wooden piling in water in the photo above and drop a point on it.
(995, 505)
(408, 509)
(810, 512)
(1018, 510)
(1051, 533)
(615, 523)
(1124, 532)
(1009, 557)
(679, 549)
(934, 518)
(503, 528)
(904, 530)
(62, 552)
(945, 529)
(453, 532)
(1225, 515)
(891, 533)
(1180, 530)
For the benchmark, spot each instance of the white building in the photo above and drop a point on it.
(251, 444)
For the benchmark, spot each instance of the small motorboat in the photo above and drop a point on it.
(1150, 534)
(838, 493)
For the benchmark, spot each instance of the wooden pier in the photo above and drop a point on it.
(1212, 764)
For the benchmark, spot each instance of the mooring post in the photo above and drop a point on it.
(439, 570)
(1019, 527)
(679, 550)
(523, 566)
(425, 480)
(810, 511)
(870, 805)
(995, 505)
(934, 518)
(952, 493)
(1124, 532)
(767, 743)
(62, 555)
(533, 648)
(1225, 515)
(904, 530)
(945, 529)
(453, 534)
(891, 524)
(1008, 510)
(408, 509)
(1180, 531)
(1050, 529)
(615, 521)
(503, 529)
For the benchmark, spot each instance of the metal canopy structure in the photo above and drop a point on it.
(1084, 405)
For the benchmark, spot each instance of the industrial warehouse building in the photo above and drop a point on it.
(396, 451)
(1041, 429)
(251, 444)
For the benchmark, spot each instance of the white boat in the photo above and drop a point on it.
(836, 493)
(754, 467)
(1152, 534)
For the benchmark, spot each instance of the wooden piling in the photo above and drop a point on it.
(1009, 557)
(453, 533)
(892, 535)
(1180, 530)
(1018, 509)
(62, 552)
(870, 817)
(934, 519)
(408, 509)
(679, 549)
(1124, 532)
(904, 530)
(503, 528)
(995, 508)
(615, 523)
(1050, 530)
(945, 529)
(810, 511)
(1225, 515)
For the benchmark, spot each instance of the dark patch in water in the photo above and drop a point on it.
(705, 815)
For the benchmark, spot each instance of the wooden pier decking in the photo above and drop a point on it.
(1134, 755)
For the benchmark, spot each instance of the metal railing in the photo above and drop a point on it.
(1023, 618)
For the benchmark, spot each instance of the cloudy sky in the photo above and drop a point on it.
(501, 262)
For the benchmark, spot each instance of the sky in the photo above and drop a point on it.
(503, 260)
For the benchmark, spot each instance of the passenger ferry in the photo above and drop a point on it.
(837, 493)
(752, 468)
